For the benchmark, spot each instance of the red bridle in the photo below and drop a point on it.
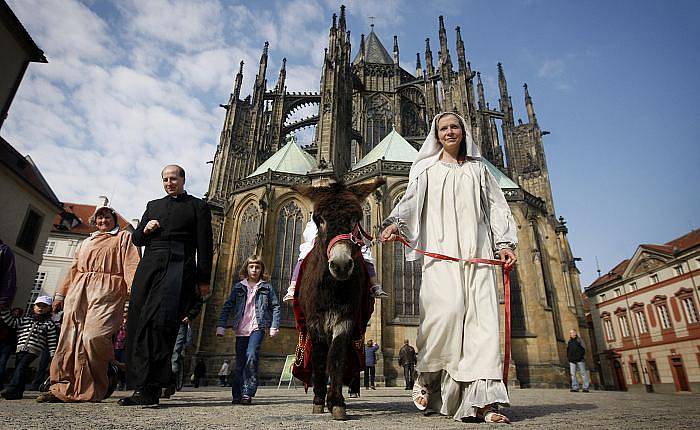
(355, 236)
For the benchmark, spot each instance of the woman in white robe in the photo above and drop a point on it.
(454, 206)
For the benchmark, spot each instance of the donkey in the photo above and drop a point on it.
(333, 292)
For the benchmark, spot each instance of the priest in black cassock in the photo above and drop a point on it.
(173, 274)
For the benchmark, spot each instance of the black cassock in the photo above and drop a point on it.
(165, 284)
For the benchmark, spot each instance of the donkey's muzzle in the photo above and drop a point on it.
(341, 268)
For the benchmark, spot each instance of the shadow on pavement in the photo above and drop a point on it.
(518, 413)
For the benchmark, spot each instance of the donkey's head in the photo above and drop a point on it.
(337, 214)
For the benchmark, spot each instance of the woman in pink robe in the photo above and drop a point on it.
(94, 292)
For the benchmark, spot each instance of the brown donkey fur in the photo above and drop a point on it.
(335, 312)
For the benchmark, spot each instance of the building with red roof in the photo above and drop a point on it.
(646, 319)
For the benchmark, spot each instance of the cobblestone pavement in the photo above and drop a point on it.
(385, 408)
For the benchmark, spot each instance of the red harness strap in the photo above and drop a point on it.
(506, 293)
(355, 237)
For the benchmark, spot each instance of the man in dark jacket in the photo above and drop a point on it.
(576, 353)
(407, 360)
(173, 273)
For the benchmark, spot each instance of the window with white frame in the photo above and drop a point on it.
(624, 327)
(50, 247)
(678, 270)
(664, 316)
(617, 292)
(72, 246)
(602, 297)
(653, 279)
(641, 322)
(36, 289)
(691, 311)
(609, 329)
(633, 286)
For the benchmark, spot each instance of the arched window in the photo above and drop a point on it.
(367, 218)
(247, 233)
(379, 121)
(290, 225)
(407, 279)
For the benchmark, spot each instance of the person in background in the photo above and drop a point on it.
(120, 354)
(370, 363)
(254, 306)
(8, 288)
(200, 371)
(576, 353)
(407, 360)
(223, 374)
(35, 332)
(8, 343)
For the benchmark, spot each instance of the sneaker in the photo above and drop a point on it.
(9, 395)
(246, 400)
(377, 292)
(288, 297)
(585, 390)
(573, 391)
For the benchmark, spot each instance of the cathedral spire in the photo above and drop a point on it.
(260, 81)
(419, 68)
(461, 56)
(506, 104)
(238, 82)
(282, 76)
(362, 48)
(480, 91)
(428, 58)
(396, 50)
(530, 108)
(445, 60)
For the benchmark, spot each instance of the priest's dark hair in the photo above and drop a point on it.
(179, 168)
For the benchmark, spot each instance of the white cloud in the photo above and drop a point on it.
(186, 25)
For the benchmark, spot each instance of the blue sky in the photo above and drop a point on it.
(132, 85)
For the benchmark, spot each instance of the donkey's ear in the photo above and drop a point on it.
(312, 193)
(362, 191)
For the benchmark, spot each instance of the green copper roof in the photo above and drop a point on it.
(289, 159)
(395, 148)
(392, 148)
(503, 180)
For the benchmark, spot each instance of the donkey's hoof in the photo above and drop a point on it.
(318, 409)
(339, 413)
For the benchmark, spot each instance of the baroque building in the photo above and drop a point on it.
(645, 318)
(372, 117)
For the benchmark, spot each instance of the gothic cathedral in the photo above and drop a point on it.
(372, 117)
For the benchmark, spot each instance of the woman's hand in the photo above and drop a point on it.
(390, 234)
(57, 305)
(508, 256)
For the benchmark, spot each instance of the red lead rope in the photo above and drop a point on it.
(506, 293)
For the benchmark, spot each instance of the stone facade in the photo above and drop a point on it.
(359, 103)
(646, 318)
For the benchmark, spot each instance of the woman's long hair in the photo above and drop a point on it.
(243, 273)
(462, 155)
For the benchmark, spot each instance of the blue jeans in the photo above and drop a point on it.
(581, 366)
(245, 379)
(42, 370)
(6, 350)
(180, 342)
(22, 362)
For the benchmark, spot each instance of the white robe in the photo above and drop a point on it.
(458, 210)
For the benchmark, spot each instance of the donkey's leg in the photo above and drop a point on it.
(337, 354)
(319, 356)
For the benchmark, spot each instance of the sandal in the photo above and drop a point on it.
(490, 414)
(377, 292)
(420, 392)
